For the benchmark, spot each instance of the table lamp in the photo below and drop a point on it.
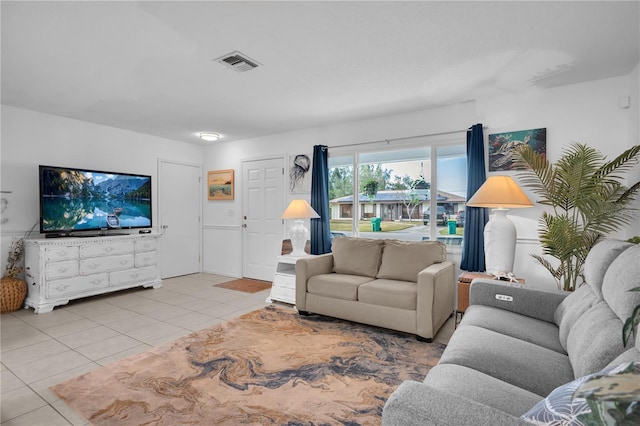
(298, 210)
(499, 193)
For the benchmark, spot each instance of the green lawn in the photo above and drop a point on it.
(365, 226)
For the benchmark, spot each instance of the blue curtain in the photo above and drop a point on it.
(476, 217)
(320, 228)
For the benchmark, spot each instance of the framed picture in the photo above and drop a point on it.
(220, 184)
(502, 145)
(300, 173)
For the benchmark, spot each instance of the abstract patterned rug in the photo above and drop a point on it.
(245, 284)
(270, 366)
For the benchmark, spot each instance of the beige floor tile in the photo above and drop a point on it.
(49, 366)
(219, 310)
(70, 415)
(107, 347)
(113, 316)
(9, 381)
(70, 327)
(87, 337)
(156, 331)
(44, 416)
(21, 335)
(50, 319)
(133, 323)
(20, 401)
(32, 353)
(169, 338)
(123, 354)
(90, 307)
(168, 313)
(193, 321)
(42, 387)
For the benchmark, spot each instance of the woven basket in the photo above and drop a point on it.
(13, 291)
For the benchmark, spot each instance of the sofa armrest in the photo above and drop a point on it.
(415, 403)
(436, 290)
(534, 303)
(306, 268)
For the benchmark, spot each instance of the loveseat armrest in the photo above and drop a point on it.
(534, 303)
(306, 268)
(435, 297)
(415, 403)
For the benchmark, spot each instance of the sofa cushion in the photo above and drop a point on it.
(394, 294)
(570, 310)
(357, 256)
(525, 328)
(338, 286)
(595, 340)
(598, 260)
(482, 388)
(622, 276)
(526, 365)
(403, 260)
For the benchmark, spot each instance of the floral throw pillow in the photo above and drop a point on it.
(561, 408)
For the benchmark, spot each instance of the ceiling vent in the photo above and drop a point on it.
(238, 62)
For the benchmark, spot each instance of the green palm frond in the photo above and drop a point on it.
(588, 200)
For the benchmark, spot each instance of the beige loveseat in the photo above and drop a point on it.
(401, 285)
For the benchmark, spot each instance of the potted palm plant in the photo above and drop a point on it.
(587, 201)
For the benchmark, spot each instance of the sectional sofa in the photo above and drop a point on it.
(519, 353)
(400, 285)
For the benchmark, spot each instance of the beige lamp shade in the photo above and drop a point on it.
(299, 209)
(500, 192)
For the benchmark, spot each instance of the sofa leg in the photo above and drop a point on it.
(304, 313)
(423, 339)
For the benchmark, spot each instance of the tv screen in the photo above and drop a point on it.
(74, 200)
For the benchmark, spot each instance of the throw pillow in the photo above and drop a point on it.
(561, 408)
(403, 260)
(356, 256)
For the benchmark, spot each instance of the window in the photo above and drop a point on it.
(400, 187)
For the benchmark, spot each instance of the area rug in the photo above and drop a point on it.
(245, 284)
(270, 366)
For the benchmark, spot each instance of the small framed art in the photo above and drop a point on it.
(220, 184)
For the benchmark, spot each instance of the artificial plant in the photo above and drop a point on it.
(588, 201)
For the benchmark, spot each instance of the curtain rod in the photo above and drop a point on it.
(403, 139)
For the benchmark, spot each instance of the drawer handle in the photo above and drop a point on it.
(108, 249)
(92, 266)
(96, 282)
(63, 269)
(135, 275)
(124, 262)
(62, 287)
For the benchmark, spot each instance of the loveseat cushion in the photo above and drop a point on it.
(357, 256)
(482, 388)
(403, 260)
(619, 279)
(595, 340)
(394, 294)
(525, 328)
(338, 286)
(571, 309)
(526, 365)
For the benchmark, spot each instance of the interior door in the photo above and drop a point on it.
(262, 207)
(180, 209)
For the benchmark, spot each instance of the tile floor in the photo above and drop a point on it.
(39, 351)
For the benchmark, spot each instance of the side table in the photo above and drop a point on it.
(464, 283)
(283, 288)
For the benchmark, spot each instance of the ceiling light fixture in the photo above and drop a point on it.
(209, 137)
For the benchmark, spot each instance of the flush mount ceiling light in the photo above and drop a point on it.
(209, 136)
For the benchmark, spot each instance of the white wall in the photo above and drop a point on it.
(586, 112)
(30, 138)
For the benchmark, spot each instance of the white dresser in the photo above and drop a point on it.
(62, 269)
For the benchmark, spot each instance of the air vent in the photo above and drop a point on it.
(238, 62)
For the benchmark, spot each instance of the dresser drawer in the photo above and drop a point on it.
(99, 250)
(284, 281)
(130, 276)
(57, 270)
(147, 245)
(104, 264)
(61, 253)
(76, 285)
(146, 259)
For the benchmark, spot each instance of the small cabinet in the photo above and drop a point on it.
(283, 288)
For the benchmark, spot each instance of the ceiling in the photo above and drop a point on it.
(149, 66)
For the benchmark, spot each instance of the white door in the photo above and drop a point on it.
(262, 207)
(180, 209)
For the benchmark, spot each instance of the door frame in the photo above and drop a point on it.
(285, 182)
(160, 205)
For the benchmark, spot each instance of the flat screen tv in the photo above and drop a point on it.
(75, 200)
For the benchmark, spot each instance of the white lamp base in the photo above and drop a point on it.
(499, 243)
(299, 235)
